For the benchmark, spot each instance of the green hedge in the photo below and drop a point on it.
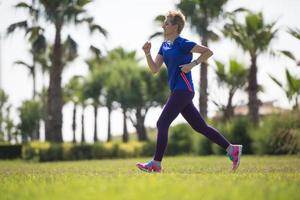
(44, 151)
(8, 151)
(276, 134)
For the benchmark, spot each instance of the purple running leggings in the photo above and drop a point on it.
(180, 101)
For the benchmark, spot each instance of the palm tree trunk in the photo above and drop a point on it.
(82, 126)
(253, 88)
(95, 123)
(125, 131)
(203, 85)
(34, 78)
(55, 101)
(296, 107)
(74, 122)
(140, 127)
(109, 122)
(229, 109)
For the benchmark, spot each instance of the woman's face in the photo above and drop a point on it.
(168, 27)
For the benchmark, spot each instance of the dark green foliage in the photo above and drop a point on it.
(8, 151)
(180, 140)
(54, 153)
(278, 134)
(237, 131)
(30, 114)
(148, 148)
(204, 146)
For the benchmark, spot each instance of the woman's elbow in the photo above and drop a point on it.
(210, 52)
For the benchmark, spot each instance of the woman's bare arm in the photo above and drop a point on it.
(205, 54)
(156, 64)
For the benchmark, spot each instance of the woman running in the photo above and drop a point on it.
(177, 53)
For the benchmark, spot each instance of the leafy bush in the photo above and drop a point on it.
(82, 151)
(8, 151)
(148, 148)
(278, 134)
(31, 151)
(237, 131)
(181, 140)
(129, 150)
(204, 146)
(53, 153)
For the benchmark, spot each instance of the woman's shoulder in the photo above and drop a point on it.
(183, 40)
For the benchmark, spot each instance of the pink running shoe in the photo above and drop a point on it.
(235, 156)
(150, 166)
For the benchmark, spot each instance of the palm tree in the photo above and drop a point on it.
(254, 36)
(110, 96)
(95, 82)
(122, 63)
(144, 95)
(42, 98)
(83, 102)
(72, 94)
(200, 15)
(3, 106)
(61, 13)
(93, 90)
(234, 78)
(36, 37)
(9, 125)
(30, 115)
(120, 83)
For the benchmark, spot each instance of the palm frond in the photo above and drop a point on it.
(294, 32)
(31, 9)
(39, 45)
(14, 26)
(156, 34)
(95, 27)
(70, 49)
(288, 54)
(160, 19)
(29, 67)
(82, 3)
(95, 50)
(241, 9)
(86, 19)
(290, 80)
(213, 36)
(276, 81)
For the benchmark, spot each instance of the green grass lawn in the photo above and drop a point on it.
(182, 178)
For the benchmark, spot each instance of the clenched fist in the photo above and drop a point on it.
(147, 47)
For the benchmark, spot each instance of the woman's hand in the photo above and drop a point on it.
(147, 47)
(186, 67)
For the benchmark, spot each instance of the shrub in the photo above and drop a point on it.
(148, 148)
(181, 140)
(278, 134)
(129, 150)
(53, 153)
(8, 151)
(237, 131)
(204, 146)
(31, 151)
(81, 151)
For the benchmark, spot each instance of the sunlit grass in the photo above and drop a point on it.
(183, 178)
